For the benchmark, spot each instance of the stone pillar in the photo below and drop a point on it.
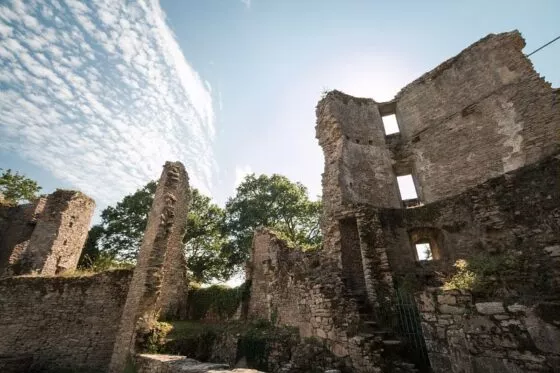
(159, 283)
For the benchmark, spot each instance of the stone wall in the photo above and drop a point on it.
(62, 322)
(467, 336)
(158, 286)
(516, 214)
(306, 291)
(16, 227)
(477, 116)
(45, 237)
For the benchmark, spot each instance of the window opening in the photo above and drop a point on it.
(390, 124)
(424, 251)
(406, 187)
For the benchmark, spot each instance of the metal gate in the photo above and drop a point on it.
(407, 325)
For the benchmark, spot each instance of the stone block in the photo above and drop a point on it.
(447, 299)
(453, 310)
(553, 251)
(490, 308)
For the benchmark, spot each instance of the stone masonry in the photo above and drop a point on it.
(45, 237)
(60, 323)
(491, 336)
(155, 289)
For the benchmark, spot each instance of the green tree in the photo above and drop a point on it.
(275, 202)
(124, 224)
(15, 188)
(205, 240)
(120, 233)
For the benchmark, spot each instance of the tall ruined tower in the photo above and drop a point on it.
(47, 236)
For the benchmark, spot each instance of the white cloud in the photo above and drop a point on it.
(102, 97)
(247, 3)
(240, 173)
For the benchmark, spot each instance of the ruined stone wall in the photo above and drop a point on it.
(463, 335)
(45, 237)
(517, 214)
(478, 115)
(306, 291)
(62, 322)
(59, 236)
(16, 227)
(358, 165)
(156, 288)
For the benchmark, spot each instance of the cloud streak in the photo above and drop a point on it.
(100, 94)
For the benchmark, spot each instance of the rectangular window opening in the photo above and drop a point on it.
(424, 251)
(406, 187)
(390, 124)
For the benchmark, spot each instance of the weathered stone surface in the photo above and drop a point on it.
(45, 237)
(147, 363)
(162, 237)
(487, 338)
(63, 323)
(545, 336)
(553, 251)
(490, 308)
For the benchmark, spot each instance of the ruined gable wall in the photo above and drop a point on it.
(516, 214)
(480, 114)
(64, 322)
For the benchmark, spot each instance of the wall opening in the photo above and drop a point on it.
(427, 243)
(407, 187)
(351, 255)
(390, 124)
(424, 251)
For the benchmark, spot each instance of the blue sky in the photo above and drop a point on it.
(97, 95)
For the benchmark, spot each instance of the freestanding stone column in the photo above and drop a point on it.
(159, 280)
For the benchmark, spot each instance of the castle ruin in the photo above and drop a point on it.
(392, 288)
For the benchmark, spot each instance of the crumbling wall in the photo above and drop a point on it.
(45, 237)
(467, 336)
(299, 289)
(478, 115)
(16, 227)
(516, 214)
(62, 322)
(156, 288)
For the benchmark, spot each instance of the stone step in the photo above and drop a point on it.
(392, 342)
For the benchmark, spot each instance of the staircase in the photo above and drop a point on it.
(394, 349)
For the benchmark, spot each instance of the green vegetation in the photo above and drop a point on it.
(155, 339)
(16, 188)
(275, 202)
(218, 241)
(217, 300)
(486, 274)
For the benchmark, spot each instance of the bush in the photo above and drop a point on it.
(218, 301)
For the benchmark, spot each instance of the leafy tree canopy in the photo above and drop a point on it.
(120, 233)
(275, 202)
(15, 188)
(218, 240)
